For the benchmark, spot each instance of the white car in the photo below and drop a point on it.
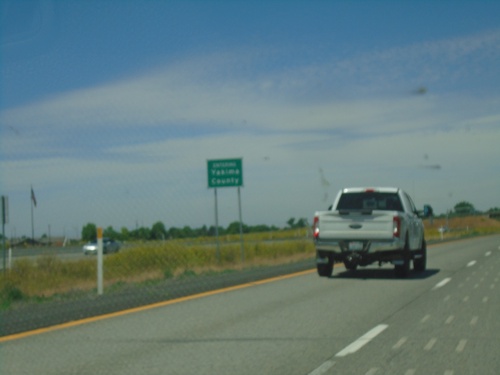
(108, 246)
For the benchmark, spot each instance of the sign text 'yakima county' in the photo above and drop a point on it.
(225, 173)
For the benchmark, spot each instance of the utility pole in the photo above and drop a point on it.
(5, 220)
(33, 203)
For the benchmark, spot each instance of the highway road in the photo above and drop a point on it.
(65, 253)
(444, 321)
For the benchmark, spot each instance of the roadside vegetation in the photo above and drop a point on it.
(455, 227)
(146, 261)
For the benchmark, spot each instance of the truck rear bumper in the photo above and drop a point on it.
(370, 252)
(367, 245)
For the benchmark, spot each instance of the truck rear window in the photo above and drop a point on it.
(370, 201)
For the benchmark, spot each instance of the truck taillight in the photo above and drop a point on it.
(316, 227)
(396, 226)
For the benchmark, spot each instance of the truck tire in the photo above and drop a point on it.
(350, 266)
(420, 264)
(402, 271)
(325, 270)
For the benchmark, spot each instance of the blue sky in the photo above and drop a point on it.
(110, 109)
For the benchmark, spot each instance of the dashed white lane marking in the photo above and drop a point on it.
(370, 335)
(400, 343)
(461, 345)
(327, 365)
(430, 344)
(352, 348)
(442, 283)
(362, 341)
(487, 254)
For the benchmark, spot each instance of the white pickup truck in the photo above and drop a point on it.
(368, 225)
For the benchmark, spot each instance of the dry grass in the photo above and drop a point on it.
(461, 226)
(49, 275)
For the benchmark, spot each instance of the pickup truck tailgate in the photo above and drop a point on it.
(353, 225)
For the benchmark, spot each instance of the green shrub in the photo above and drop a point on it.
(187, 273)
(168, 273)
(9, 293)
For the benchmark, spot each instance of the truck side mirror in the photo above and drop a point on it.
(428, 211)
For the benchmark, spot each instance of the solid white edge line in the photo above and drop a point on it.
(362, 341)
(442, 283)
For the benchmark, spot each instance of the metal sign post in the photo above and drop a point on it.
(100, 267)
(226, 173)
(241, 228)
(217, 252)
(5, 220)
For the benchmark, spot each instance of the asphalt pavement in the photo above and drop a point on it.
(442, 321)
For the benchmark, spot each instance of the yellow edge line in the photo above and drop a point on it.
(148, 307)
(75, 323)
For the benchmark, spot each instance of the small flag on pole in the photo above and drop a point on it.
(33, 199)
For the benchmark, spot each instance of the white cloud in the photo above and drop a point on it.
(202, 90)
(285, 125)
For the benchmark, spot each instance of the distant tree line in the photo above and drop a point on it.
(465, 208)
(158, 231)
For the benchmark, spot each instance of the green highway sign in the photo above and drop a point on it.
(225, 173)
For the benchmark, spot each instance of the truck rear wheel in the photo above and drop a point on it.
(350, 266)
(402, 270)
(326, 269)
(420, 263)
